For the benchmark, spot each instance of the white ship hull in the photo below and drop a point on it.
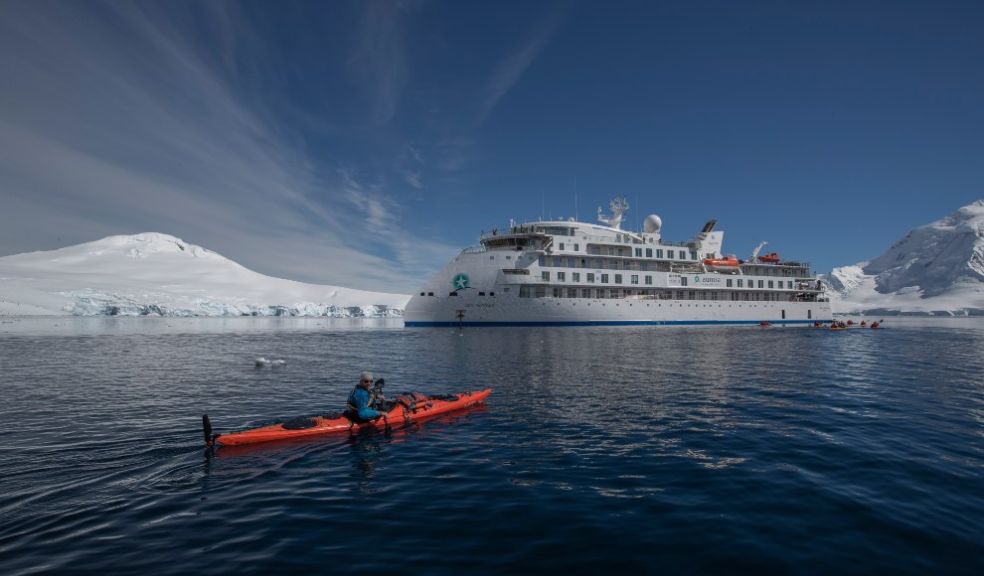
(508, 311)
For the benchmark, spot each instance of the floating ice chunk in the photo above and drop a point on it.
(262, 362)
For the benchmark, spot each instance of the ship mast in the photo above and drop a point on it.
(618, 206)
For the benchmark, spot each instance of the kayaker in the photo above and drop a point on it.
(361, 399)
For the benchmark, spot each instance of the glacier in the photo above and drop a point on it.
(154, 274)
(936, 270)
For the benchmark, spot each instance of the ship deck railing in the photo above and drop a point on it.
(633, 240)
(507, 235)
(541, 291)
(790, 264)
(688, 269)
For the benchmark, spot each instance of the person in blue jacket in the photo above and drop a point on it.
(360, 401)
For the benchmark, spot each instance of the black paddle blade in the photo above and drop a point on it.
(207, 429)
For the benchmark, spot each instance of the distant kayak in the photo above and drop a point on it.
(403, 410)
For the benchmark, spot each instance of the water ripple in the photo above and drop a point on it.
(694, 449)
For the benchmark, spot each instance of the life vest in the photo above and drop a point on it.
(413, 400)
(351, 399)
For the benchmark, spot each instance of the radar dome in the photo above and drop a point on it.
(652, 224)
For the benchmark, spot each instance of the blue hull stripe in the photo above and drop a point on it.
(419, 324)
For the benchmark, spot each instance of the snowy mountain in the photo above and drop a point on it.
(935, 269)
(157, 274)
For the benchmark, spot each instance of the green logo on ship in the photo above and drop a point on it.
(460, 281)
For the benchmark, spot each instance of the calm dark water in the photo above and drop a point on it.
(706, 449)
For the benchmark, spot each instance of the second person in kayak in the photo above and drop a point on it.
(360, 401)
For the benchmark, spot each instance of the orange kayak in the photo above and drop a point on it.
(404, 410)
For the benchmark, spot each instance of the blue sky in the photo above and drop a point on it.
(364, 143)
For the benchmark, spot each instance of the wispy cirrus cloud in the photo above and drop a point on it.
(118, 118)
(409, 164)
(509, 70)
(296, 156)
(379, 59)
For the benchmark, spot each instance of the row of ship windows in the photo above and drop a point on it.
(648, 280)
(455, 293)
(625, 251)
(597, 251)
(572, 262)
(643, 266)
(563, 231)
(638, 252)
(809, 311)
(601, 263)
(619, 293)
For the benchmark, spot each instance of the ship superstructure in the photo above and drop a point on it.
(557, 272)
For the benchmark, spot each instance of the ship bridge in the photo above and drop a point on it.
(535, 236)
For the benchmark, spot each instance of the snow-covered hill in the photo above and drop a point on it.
(935, 269)
(157, 274)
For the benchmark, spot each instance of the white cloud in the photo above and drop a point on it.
(379, 58)
(115, 121)
(512, 68)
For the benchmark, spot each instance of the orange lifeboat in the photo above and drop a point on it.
(728, 265)
(770, 258)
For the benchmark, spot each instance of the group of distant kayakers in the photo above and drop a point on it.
(842, 325)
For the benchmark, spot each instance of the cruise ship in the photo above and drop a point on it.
(565, 272)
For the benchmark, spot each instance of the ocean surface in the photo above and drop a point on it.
(673, 450)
